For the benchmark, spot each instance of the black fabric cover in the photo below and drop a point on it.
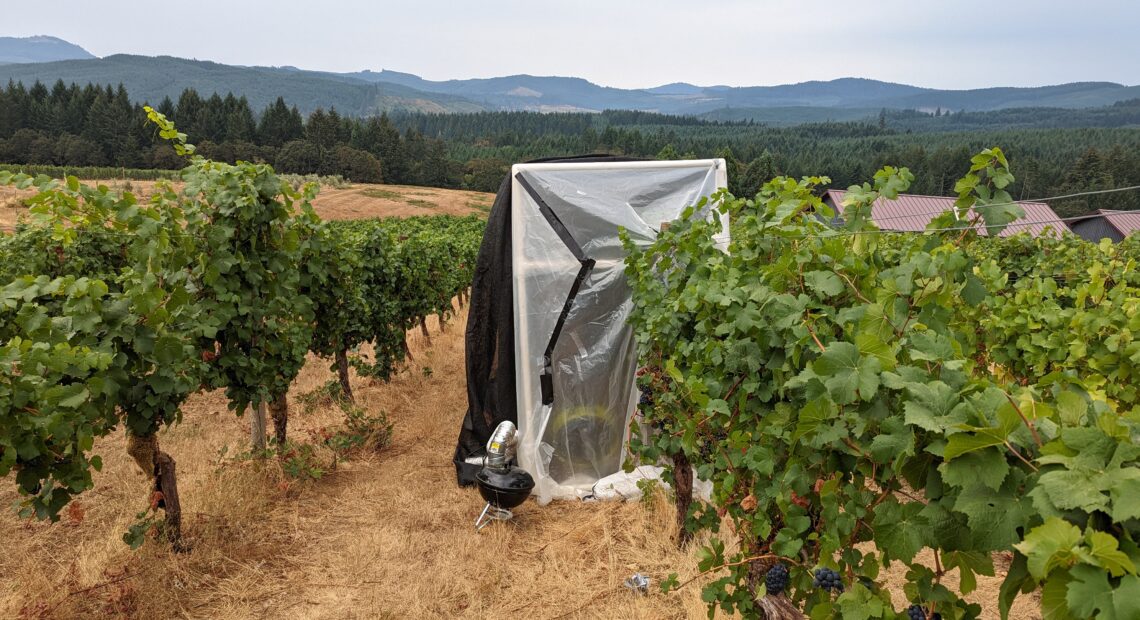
(490, 337)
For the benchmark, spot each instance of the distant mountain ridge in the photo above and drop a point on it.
(39, 49)
(371, 92)
(151, 78)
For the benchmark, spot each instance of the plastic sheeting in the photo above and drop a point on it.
(571, 303)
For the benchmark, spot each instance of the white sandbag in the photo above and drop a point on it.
(623, 486)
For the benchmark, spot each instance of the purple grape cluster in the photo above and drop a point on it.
(916, 612)
(646, 399)
(776, 579)
(828, 580)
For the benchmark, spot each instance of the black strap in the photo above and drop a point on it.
(546, 380)
(552, 218)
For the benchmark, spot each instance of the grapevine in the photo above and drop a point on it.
(114, 312)
(856, 397)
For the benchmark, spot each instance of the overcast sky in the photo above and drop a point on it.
(627, 43)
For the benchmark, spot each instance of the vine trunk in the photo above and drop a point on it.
(159, 466)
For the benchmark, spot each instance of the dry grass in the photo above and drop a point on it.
(354, 202)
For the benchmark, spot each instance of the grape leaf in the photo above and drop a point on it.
(1050, 545)
(826, 283)
(848, 375)
(899, 529)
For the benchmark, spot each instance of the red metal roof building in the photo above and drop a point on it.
(911, 212)
(1115, 225)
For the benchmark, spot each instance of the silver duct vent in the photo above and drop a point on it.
(503, 486)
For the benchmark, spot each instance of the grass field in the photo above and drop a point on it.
(385, 535)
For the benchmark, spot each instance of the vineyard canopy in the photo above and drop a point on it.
(548, 346)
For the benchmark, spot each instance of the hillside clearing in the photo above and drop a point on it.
(359, 200)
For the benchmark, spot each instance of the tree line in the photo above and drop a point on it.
(101, 126)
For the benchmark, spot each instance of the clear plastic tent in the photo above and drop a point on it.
(575, 355)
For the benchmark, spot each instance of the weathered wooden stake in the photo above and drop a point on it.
(257, 428)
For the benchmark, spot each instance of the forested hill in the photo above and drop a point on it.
(1120, 114)
(530, 92)
(371, 92)
(149, 78)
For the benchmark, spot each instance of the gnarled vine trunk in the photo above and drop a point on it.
(160, 467)
(682, 495)
(778, 607)
(342, 374)
(279, 410)
(424, 329)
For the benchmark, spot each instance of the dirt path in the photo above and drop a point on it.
(395, 539)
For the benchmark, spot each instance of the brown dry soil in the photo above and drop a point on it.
(353, 202)
(384, 535)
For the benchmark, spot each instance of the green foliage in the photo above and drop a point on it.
(144, 522)
(361, 431)
(837, 387)
(1065, 306)
(414, 268)
(1059, 151)
(297, 181)
(251, 282)
(300, 461)
(91, 172)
